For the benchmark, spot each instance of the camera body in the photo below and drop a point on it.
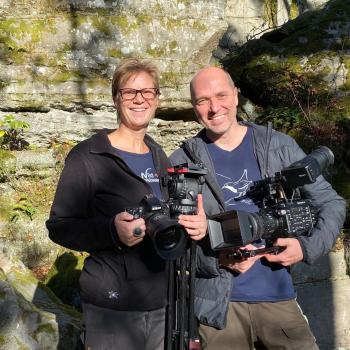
(286, 219)
(279, 215)
(149, 206)
(184, 183)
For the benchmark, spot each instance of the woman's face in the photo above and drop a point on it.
(136, 111)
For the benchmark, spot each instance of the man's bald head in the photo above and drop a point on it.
(206, 74)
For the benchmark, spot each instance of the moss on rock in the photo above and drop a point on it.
(21, 34)
(304, 64)
(7, 164)
(44, 328)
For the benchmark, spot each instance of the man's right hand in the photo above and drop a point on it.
(125, 224)
(238, 266)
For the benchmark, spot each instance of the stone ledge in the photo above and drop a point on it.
(325, 304)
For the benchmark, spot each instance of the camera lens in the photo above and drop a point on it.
(168, 239)
(170, 243)
(324, 157)
(168, 236)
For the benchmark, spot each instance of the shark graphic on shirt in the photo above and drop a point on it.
(236, 188)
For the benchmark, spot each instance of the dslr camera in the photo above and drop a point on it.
(282, 212)
(184, 183)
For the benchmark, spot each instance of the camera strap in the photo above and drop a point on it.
(267, 148)
(211, 182)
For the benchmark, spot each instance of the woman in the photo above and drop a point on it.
(124, 282)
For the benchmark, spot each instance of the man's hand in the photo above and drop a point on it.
(126, 228)
(292, 253)
(195, 225)
(241, 266)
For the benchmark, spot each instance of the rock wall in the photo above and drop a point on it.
(32, 317)
(57, 56)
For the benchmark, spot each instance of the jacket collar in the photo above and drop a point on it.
(99, 143)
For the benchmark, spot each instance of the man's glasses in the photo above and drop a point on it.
(147, 94)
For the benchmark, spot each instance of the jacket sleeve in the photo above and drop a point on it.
(207, 261)
(331, 211)
(70, 224)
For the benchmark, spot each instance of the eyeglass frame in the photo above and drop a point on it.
(136, 91)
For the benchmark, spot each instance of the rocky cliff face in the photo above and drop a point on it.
(32, 317)
(58, 56)
(311, 51)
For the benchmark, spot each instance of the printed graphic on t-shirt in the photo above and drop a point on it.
(235, 188)
(142, 165)
(149, 176)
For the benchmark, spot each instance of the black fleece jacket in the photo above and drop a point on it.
(95, 185)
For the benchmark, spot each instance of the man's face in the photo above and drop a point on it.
(215, 100)
(136, 111)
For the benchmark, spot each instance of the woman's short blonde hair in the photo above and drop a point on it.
(129, 67)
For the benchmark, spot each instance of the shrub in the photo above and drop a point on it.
(11, 133)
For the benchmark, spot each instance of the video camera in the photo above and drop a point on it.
(279, 216)
(169, 238)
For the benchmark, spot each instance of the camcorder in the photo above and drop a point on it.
(184, 183)
(282, 212)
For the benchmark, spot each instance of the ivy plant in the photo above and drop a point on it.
(11, 133)
(23, 206)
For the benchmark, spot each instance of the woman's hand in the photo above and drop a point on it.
(129, 230)
(195, 225)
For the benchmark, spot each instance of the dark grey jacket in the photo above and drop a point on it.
(274, 151)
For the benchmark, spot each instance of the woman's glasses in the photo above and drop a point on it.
(148, 93)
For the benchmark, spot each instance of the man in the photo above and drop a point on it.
(250, 304)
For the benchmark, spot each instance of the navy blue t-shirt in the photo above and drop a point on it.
(235, 172)
(143, 166)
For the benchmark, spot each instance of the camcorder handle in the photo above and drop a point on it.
(243, 254)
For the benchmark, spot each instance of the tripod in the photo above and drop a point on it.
(181, 332)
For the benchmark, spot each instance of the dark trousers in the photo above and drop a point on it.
(107, 329)
(268, 326)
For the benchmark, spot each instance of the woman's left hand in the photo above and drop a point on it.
(195, 225)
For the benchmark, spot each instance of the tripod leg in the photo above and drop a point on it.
(171, 316)
(182, 303)
(193, 338)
